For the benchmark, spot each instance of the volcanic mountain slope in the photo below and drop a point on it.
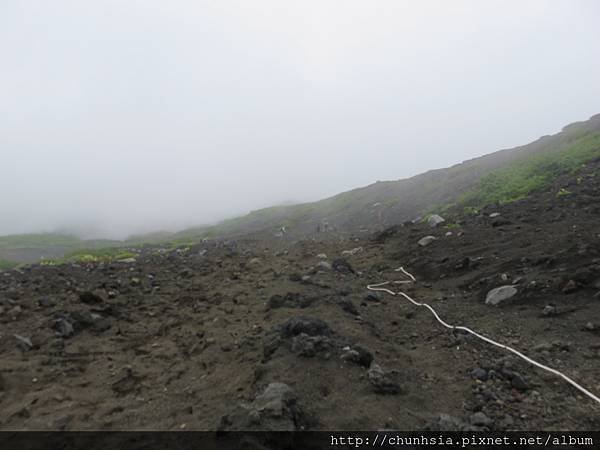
(498, 177)
(383, 204)
(269, 334)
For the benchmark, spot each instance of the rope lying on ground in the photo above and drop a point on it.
(377, 287)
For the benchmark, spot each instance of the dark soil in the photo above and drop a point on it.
(251, 334)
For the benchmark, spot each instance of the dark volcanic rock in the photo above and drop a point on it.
(446, 422)
(90, 298)
(46, 302)
(81, 319)
(348, 306)
(289, 300)
(341, 265)
(307, 325)
(479, 374)
(518, 382)
(128, 383)
(276, 409)
(63, 327)
(309, 346)
(383, 382)
(358, 355)
(23, 342)
(570, 287)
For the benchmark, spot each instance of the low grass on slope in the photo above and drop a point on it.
(38, 240)
(5, 265)
(532, 173)
(92, 255)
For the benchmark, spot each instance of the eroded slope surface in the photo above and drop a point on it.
(269, 334)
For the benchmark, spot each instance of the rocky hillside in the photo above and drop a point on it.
(524, 169)
(272, 334)
(500, 177)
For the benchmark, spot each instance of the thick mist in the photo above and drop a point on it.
(127, 117)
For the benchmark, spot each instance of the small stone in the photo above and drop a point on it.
(518, 382)
(357, 355)
(15, 312)
(307, 325)
(382, 382)
(90, 298)
(309, 346)
(549, 310)
(506, 422)
(434, 220)
(64, 328)
(324, 265)
(322, 256)
(570, 287)
(423, 242)
(543, 347)
(24, 343)
(46, 302)
(373, 297)
(348, 306)
(62, 422)
(126, 260)
(479, 374)
(500, 294)
(342, 266)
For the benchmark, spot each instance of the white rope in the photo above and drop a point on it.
(377, 287)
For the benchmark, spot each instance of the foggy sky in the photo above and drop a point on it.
(132, 116)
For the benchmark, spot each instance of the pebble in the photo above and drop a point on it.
(425, 241)
(570, 287)
(64, 328)
(24, 343)
(518, 382)
(500, 294)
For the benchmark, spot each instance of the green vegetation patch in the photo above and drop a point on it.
(5, 265)
(91, 255)
(533, 173)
